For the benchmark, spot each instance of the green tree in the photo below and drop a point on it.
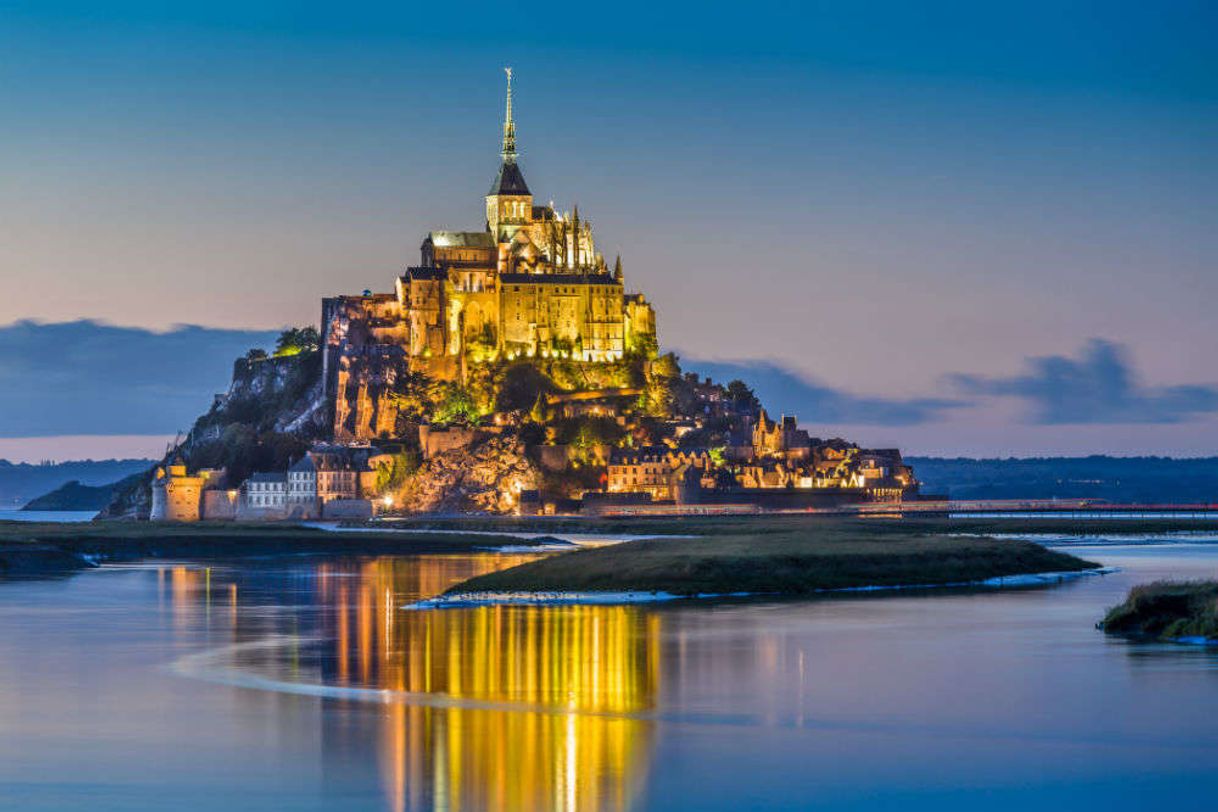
(741, 398)
(455, 405)
(643, 345)
(523, 385)
(659, 395)
(413, 395)
(297, 340)
(391, 476)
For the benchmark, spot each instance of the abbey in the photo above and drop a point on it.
(530, 284)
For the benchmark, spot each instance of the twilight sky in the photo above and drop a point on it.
(955, 229)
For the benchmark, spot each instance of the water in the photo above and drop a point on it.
(301, 684)
(1133, 515)
(56, 516)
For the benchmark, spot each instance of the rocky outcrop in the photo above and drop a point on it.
(273, 408)
(272, 394)
(485, 477)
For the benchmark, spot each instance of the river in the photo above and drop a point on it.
(301, 684)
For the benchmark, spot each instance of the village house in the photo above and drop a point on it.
(264, 496)
(659, 472)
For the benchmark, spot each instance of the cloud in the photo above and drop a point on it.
(1099, 386)
(88, 377)
(784, 390)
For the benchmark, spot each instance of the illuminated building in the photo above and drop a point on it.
(177, 496)
(529, 284)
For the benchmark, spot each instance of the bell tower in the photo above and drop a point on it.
(509, 204)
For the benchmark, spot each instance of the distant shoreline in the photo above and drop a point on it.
(29, 549)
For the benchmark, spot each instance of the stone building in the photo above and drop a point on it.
(177, 496)
(220, 504)
(337, 476)
(264, 496)
(659, 472)
(319, 478)
(301, 499)
(529, 284)
(783, 439)
(593, 402)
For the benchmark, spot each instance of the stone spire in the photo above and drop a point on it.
(509, 124)
(509, 181)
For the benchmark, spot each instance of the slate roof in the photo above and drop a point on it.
(509, 181)
(557, 279)
(420, 272)
(462, 239)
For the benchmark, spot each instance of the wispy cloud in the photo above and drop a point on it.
(1099, 386)
(88, 377)
(784, 390)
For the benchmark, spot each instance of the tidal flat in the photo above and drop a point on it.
(776, 554)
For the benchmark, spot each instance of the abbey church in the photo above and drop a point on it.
(529, 284)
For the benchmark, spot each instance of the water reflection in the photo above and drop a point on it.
(953, 701)
(544, 701)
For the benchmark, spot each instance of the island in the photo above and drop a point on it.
(787, 559)
(1181, 611)
(510, 369)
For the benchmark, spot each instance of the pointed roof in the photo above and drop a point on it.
(509, 181)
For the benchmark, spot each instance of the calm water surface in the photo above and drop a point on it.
(301, 684)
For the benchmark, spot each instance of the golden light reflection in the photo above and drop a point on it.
(544, 698)
(574, 672)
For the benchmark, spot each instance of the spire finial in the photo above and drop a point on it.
(509, 126)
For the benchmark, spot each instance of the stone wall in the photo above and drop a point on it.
(347, 509)
(219, 505)
(434, 441)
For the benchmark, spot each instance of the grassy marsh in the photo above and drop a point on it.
(1168, 610)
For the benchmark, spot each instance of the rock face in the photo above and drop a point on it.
(271, 402)
(280, 394)
(487, 476)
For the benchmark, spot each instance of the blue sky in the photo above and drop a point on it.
(896, 203)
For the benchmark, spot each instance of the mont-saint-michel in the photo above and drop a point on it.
(513, 369)
(787, 406)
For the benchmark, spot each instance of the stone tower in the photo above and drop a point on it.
(509, 203)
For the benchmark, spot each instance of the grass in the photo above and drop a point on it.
(1168, 610)
(779, 552)
(830, 556)
(30, 548)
